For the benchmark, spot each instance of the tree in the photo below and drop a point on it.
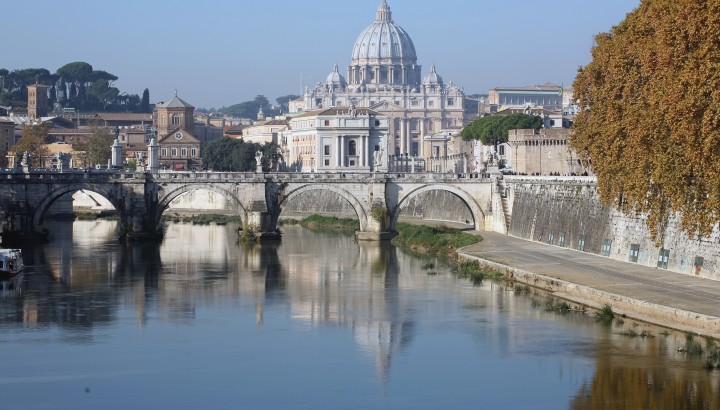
(495, 127)
(284, 101)
(145, 103)
(250, 109)
(98, 147)
(651, 124)
(229, 154)
(33, 141)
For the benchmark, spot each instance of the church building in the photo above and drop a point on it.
(384, 76)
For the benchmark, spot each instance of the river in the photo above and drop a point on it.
(317, 321)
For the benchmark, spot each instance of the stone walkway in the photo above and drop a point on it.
(657, 296)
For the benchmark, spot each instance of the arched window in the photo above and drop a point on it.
(351, 148)
(175, 119)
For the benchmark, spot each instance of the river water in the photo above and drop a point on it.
(315, 322)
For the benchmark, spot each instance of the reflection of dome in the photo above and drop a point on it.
(384, 53)
(336, 79)
(432, 78)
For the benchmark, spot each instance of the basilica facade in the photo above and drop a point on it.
(384, 76)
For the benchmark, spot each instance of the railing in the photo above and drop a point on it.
(107, 175)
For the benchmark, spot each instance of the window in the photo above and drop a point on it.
(501, 150)
(183, 152)
(327, 123)
(414, 102)
(451, 101)
(663, 258)
(162, 120)
(175, 119)
(173, 152)
(327, 162)
(352, 148)
(193, 152)
(634, 252)
(327, 150)
(163, 152)
(431, 103)
(607, 245)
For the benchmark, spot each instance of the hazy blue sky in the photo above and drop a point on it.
(221, 52)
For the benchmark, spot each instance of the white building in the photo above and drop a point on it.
(337, 139)
(384, 75)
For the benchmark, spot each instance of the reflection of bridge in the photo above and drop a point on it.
(140, 198)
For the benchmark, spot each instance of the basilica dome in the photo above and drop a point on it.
(432, 78)
(384, 53)
(335, 79)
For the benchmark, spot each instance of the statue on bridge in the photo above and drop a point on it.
(377, 159)
(258, 162)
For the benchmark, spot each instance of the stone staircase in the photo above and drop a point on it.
(504, 201)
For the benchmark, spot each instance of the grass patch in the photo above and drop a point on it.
(201, 219)
(692, 347)
(288, 222)
(319, 223)
(473, 271)
(433, 240)
(605, 314)
(558, 307)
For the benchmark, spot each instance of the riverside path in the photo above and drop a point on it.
(658, 296)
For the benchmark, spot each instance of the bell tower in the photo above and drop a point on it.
(37, 100)
(173, 114)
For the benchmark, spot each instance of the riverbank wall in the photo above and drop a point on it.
(622, 305)
(567, 212)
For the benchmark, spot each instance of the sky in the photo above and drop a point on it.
(217, 53)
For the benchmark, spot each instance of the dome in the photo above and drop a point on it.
(336, 79)
(387, 46)
(432, 78)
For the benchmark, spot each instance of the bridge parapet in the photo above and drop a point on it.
(141, 197)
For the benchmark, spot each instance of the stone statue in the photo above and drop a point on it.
(377, 158)
(24, 159)
(258, 161)
(353, 111)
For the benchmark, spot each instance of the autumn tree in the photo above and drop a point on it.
(651, 119)
(34, 142)
(97, 148)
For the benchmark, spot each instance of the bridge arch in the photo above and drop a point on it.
(46, 202)
(360, 211)
(475, 209)
(167, 198)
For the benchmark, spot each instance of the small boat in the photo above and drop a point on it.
(11, 262)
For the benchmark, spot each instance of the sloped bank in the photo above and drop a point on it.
(644, 311)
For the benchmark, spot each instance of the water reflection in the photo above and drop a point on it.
(84, 280)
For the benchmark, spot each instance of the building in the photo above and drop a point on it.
(7, 140)
(175, 124)
(544, 152)
(384, 76)
(37, 100)
(337, 139)
(547, 95)
(265, 131)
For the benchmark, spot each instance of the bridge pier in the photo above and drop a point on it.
(376, 230)
(264, 222)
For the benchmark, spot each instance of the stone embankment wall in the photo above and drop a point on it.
(566, 211)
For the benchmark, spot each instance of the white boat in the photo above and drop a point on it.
(11, 262)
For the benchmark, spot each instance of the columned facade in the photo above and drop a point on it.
(384, 75)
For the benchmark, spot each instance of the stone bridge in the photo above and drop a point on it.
(140, 198)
